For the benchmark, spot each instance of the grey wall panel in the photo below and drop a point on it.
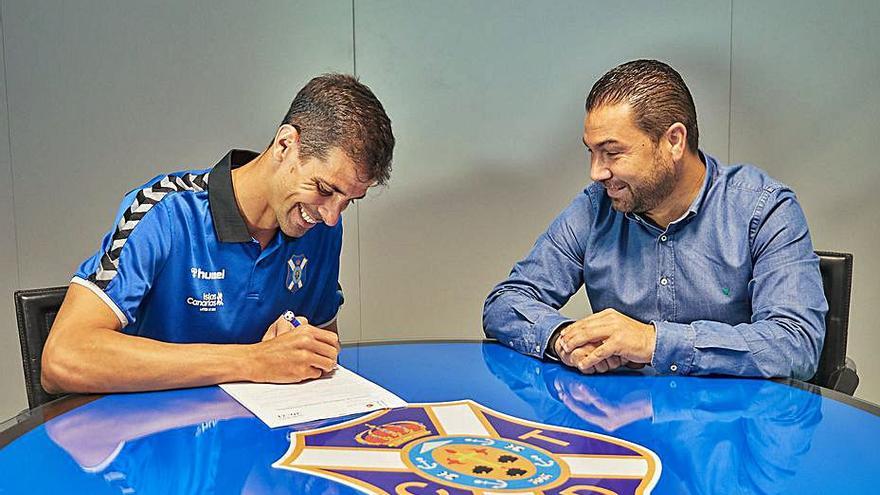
(487, 103)
(805, 108)
(104, 94)
(12, 395)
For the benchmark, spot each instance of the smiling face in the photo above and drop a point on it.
(632, 167)
(307, 192)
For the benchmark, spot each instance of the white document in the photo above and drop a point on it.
(340, 394)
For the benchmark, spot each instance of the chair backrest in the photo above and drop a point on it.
(836, 271)
(35, 310)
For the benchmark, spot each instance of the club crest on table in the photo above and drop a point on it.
(465, 448)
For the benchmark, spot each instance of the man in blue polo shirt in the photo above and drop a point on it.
(195, 283)
(690, 266)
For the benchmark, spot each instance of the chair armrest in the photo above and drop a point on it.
(845, 379)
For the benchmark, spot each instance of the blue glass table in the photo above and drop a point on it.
(659, 434)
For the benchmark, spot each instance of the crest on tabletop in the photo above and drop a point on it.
(465, 448)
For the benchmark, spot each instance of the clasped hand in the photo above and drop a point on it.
(605, 341)
(289, 354)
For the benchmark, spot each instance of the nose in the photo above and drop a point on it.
(598, 171)
(331, 210)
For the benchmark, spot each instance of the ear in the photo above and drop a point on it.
(676, 138)
(285, 146)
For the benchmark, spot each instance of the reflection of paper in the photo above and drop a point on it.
(340, 394)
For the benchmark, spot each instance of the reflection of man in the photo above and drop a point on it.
(193, 441)
(729, 436)
(209, 257)
(690, 266)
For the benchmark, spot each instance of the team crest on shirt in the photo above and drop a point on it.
(465, 448)
(295, 266)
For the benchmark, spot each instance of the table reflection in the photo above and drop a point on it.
(186, 441)
(706, 431)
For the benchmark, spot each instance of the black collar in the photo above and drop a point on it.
(229, 224)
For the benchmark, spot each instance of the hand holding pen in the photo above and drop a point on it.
(280, 326)
(293, 350)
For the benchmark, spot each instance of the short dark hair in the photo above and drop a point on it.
(336, 110)
(656, 93)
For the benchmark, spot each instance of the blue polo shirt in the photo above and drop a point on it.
(180, 266)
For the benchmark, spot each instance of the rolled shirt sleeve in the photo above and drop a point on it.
(523, 310)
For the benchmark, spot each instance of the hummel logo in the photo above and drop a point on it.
(203, 275)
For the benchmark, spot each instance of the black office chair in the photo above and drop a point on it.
(836, 371)
(35, 310)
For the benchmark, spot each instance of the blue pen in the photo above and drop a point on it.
(289, 316)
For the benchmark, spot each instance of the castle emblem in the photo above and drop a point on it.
(465, 448)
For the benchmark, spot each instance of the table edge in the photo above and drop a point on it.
(28, 419)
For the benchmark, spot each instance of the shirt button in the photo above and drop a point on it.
(663, 238)
(673, 368)
(664, 281)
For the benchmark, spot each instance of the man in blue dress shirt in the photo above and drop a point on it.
(690, 266)
(192, 284)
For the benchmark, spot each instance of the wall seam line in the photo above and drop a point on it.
(729, 91)
(357, 215)
(11, 164)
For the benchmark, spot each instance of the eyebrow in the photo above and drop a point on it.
(337, 189)
(603, 143)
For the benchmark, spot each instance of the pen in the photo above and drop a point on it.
(289, 316)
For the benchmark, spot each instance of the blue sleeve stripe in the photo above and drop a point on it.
(144, 200)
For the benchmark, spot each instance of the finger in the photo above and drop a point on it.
(323, 349)
(602, 366)
(566, 359)
(613, 362)
(325, 336)
(598, 355)
(600, 315)
(272, 331)
(586, 335)
(312, 372)
(578, 355)
(587, 371)
(282, 327)
(635, 366)
(322, 363)
(583, 394)
(577, 363)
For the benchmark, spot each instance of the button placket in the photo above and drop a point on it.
(665, 292)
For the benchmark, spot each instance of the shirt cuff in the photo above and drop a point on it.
(545, 327)
(550, 347)
(674, 348)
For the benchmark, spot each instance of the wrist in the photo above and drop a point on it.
(650, 342)
(246, 362)
(552, 350)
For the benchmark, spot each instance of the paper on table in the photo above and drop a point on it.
(340, 394)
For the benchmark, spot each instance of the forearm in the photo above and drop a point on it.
(520, 321)
(767, 348)
(102, 360)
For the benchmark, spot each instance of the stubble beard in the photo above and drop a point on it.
(652, 191)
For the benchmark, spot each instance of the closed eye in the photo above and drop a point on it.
(323, 191)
